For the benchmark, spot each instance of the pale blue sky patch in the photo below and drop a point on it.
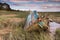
(43, 5)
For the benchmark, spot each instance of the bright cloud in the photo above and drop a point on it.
(24, 0)
(56, 0)
(40, 5)
(31, 0)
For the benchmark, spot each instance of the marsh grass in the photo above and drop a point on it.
(18, 33)
(57, 34)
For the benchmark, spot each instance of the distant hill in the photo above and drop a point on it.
(4, 6)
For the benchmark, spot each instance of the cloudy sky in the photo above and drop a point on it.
(39, 5)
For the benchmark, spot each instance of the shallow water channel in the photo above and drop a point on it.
(53, 26)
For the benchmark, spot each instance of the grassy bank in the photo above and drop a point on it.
(18, 33)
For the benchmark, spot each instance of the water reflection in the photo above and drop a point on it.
(53, 26)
